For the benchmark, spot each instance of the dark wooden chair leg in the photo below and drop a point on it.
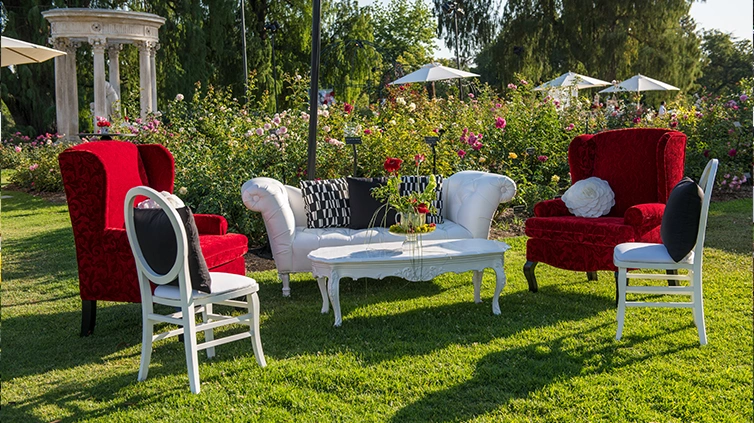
(672, 272)
(591, 276)
(529, 273)
(88, 316)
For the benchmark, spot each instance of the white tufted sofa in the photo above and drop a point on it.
(470, 199)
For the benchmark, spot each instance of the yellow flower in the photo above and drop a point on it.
(555, 178)
(482, 160)
(512, 155)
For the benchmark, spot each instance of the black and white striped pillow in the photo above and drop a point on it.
(326, 203)
(412, 183)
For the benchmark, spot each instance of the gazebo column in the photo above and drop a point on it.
(113, 53)
(62, 82)
(98, 48)
(153, 73)
(145, 78)
(72, 102)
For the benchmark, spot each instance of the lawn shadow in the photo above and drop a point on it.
(422, 330)
(57, 335)
(45, 254)
(75, 399)
(504, 376)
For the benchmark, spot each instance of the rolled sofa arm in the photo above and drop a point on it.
(471, 198)
(648, 214)
(270, 197)
(211, 224)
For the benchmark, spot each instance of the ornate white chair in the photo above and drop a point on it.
(224, 287)
(638, 255)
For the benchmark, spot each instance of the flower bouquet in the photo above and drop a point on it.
(413, 207)
(103, 124)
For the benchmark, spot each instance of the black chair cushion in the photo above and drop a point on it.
(158, 244)
(680, 223)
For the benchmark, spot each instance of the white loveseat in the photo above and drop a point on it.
(470, 199)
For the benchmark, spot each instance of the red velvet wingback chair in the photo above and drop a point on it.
(642, 166)
(96, 176)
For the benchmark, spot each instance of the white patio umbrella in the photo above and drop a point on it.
(16, 52)
(640, 83)
(572, 79)
(433, 72)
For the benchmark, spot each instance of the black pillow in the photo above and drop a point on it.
(680, 223)
(158, 245)
(364, 205)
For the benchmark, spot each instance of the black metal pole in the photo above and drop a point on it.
(434, 160)
(243, 43)
(314, 90)
(458, 57)
(274, 77)
(355, 160)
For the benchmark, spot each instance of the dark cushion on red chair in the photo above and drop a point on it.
(680, 224)
(158, 244)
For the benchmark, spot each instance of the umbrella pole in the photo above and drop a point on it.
(314, 90)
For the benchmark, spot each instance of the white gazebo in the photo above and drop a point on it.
(105, 30)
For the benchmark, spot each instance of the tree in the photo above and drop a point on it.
(477, 24)
(725, 62)
(405, 32)
(610, 40)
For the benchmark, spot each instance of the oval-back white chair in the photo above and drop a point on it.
(224, 287)
(636, 255)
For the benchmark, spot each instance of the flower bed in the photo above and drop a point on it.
(219, 143)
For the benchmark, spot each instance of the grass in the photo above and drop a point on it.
(406, 351)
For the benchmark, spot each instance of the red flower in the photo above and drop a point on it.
(432, 225)
(348, 108)
(422, 208)
(732, 152)
(461, 153)
(542, 158)
(673, 124)
(367, 131)
(392, 164)
(419, 158)
(706, 153)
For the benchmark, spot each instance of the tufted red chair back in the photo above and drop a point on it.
(641, 165)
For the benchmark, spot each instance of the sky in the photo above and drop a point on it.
(732, 16)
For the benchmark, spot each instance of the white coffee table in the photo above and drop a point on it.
(380, 260)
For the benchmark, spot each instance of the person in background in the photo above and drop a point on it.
(662, 110)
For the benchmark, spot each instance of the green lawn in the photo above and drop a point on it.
(406, 351)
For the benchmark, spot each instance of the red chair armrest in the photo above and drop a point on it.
(649, 214)
(551, 208)
(211, 224)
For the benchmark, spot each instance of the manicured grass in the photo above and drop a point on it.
(406, 351)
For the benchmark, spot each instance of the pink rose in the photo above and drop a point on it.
(500, 123)
(461, 154)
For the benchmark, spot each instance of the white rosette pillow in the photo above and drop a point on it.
(590, 197)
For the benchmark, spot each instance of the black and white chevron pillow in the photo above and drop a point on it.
(326, 203)
(412, 183)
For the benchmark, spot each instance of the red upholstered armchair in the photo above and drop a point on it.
(642, 166)
(96, 177)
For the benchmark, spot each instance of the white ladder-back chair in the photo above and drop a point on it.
(224, 287)
(655, 256)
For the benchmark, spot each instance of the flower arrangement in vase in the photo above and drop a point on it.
(103, 124)
(413, 207)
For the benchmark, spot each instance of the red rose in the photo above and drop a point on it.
(432, 225)
(392, 164)
(422, 208)
(348, 108)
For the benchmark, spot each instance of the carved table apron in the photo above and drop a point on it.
(380, 260)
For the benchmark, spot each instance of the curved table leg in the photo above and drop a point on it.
(333, 288)
(477, 279)
(499, 285)
(323, 291)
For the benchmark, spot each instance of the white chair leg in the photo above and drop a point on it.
(146, 346)
(286, 279)
(622, 279)
(698, 301)
(209, 334)
(252, 300)
(189, 341)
